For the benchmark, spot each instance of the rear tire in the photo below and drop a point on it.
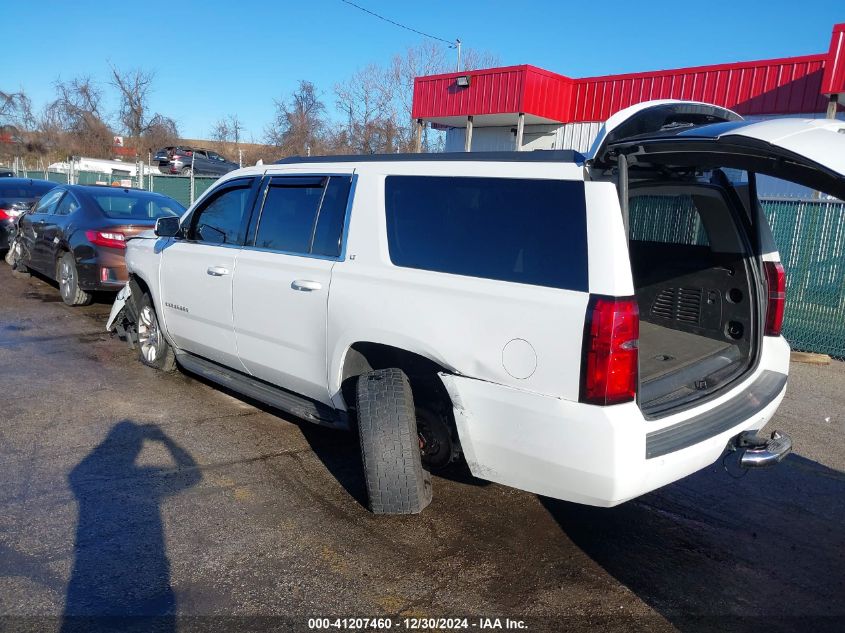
(390, 446)
(153, 349)
(68, 278)
(186, 171)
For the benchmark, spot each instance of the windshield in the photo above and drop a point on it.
(137, 206)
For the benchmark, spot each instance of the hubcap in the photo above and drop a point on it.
(148, 334)
(65, 277)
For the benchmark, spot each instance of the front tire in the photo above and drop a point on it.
(390, 447)
(186, 171)
(68, 278)
(153, 349)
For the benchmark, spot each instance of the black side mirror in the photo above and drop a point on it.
(167, 226)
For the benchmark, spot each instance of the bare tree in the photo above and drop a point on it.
(376, 102)
(160, 131)
(227, 130)
(367, 101)
(220, 132)
(299, 122)
(74, 118)
(236, 129)
(134, 88)
(16, 110)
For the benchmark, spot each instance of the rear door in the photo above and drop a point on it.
(810, 152)
(197, 271)
(282, 281)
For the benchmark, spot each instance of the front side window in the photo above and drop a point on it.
(220, 219)
(518, 230)
(48, 203)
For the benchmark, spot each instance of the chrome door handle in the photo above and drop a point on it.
(306, 284)
(217, 271)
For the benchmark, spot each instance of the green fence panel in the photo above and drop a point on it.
(810, 235)
(177, 187)
(201, 184)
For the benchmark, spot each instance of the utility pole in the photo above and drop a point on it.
(458, 46)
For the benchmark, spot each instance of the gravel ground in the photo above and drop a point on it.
(128, 493)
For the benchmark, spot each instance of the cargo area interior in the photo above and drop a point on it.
(693, 283)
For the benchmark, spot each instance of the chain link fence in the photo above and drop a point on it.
(177, 187)
(810, 235)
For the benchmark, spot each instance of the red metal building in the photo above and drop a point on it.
(525, 107)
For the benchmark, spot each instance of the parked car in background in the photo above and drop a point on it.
(5, 172)
(181, 160)
(588, 328)
(77, 234)
(17, 196)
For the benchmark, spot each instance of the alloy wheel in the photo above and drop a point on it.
(148, 334)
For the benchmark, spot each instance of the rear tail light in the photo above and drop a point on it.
(611, 356)
(776, 298)
(6, 214)
(111, 239)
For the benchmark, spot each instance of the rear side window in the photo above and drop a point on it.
(304, 215)
(287, 219)
(519, 230)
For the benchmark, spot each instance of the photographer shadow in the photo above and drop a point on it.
(121, 574)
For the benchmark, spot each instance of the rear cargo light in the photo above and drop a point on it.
(111, 239)
(611, 355)
(776, 298)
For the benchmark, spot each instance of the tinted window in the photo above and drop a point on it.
(220, 219)
(287, 219)
(329, 231)
(136, 205)
(520, 230)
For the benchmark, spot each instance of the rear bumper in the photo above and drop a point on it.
(603, 456)
(92, 277)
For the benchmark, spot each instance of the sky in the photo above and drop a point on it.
(216, 58)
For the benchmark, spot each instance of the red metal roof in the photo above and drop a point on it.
(834, 70)
(493, 91)
(793, 85)
(775, 86)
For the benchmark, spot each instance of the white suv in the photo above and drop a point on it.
(584, 327)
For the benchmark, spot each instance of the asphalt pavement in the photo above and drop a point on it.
(129, 493)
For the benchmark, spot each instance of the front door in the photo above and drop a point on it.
(32, 227)
(283, 278)
(53, 234)
(197, 271)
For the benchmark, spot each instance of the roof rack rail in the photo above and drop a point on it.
(536, 156)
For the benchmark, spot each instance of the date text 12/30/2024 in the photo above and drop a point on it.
(415, 624)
